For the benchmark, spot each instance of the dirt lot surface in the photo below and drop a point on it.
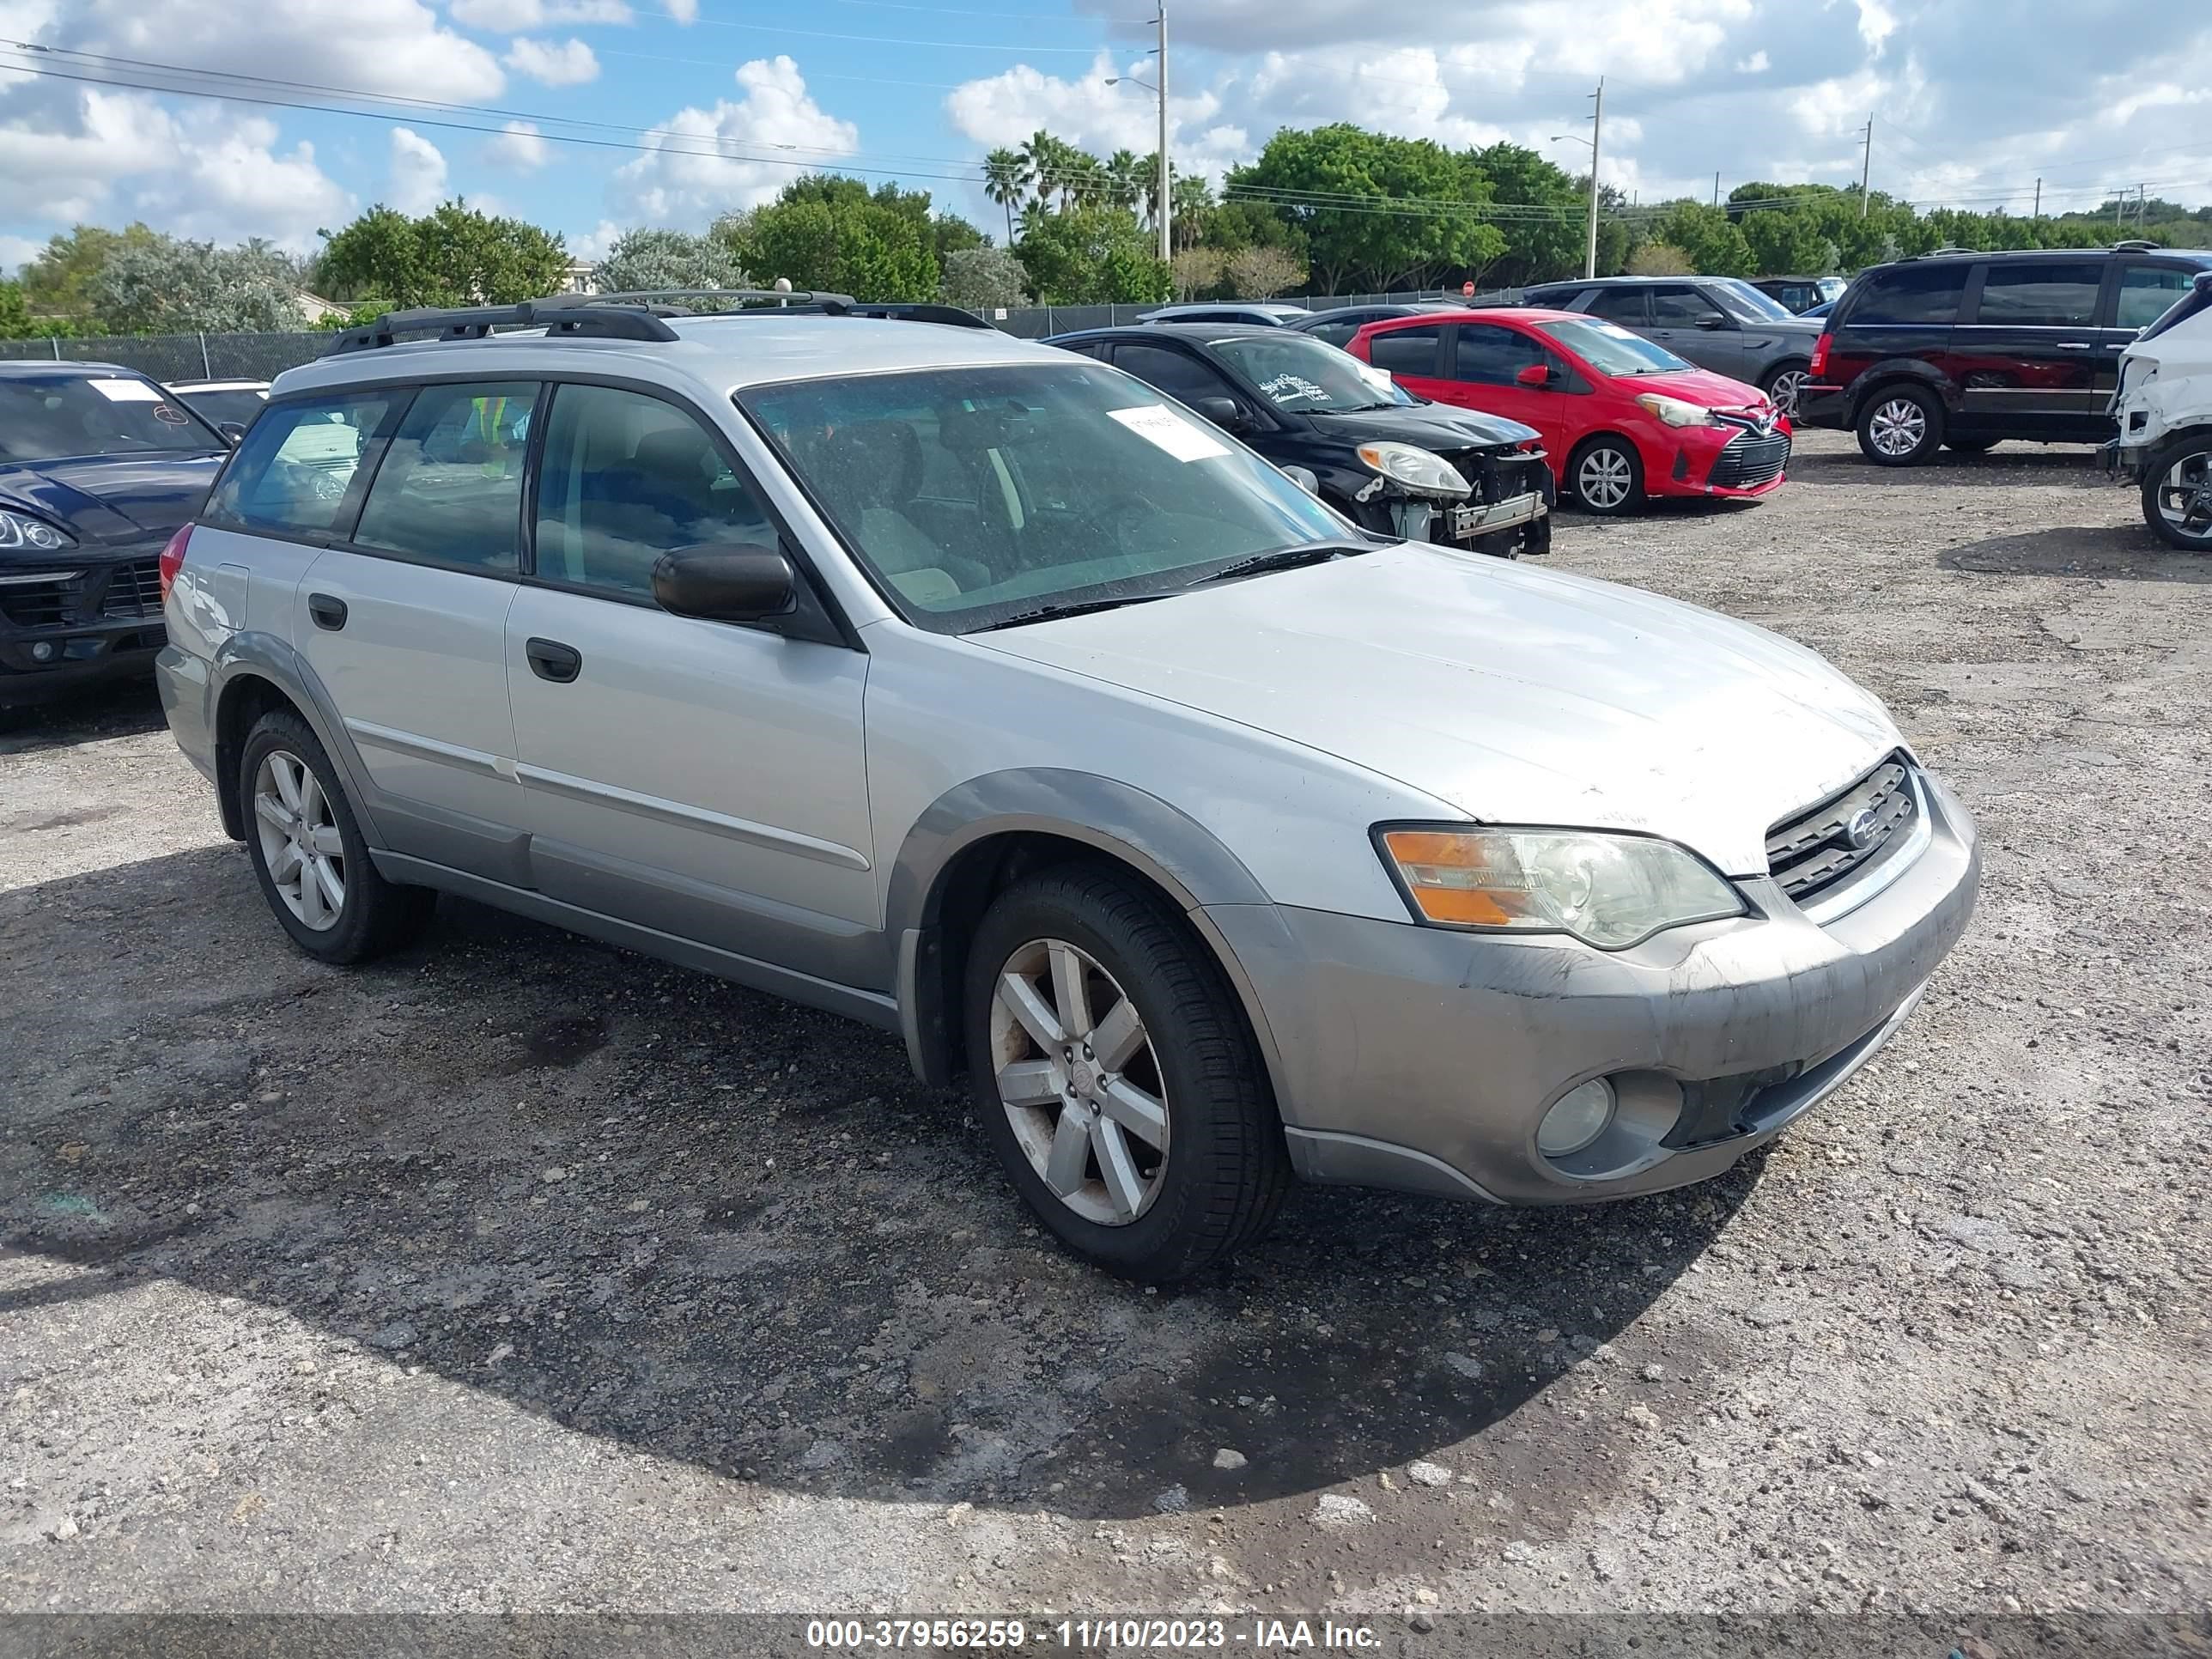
(517, 1272)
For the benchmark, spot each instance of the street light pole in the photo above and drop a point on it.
(1597, 137)
(1167, 247)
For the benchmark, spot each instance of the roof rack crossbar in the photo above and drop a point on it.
(656, 296)
(559, 316)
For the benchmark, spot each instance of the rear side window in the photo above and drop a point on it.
(1910, 294)
(299, 466)
(450, 488)
(1404, 350)
(1338, 333)
(1625, 305)
(2041, 293)
(626, 478)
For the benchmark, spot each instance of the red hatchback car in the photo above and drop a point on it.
(1622, 418)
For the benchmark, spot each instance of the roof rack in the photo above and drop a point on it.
(2135, 244)
(564, 315)
(806, 301)
(663, 301)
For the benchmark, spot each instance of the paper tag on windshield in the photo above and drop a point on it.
(128, 391)
(1162, 426)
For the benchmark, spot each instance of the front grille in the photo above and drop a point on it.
(1811, 852)
(1756, 455)
(35, 605)
(134, 590)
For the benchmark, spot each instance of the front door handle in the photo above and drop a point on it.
(550, 659)
(328, 610)
(2073, 345)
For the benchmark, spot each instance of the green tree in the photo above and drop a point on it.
(645, 259)
(1706, 237)
(1537, 248)
(983, 278)
(1092, 256)
(1660, 260)
(829, 231)
(1788, 242)
(171, 287)
(60, 280)
(1005, 178)
(16, 322)
(453, 256)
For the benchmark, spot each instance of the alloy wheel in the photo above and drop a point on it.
(1603, 479)
(299, 840)
(2184, 496)
(1899, 427)
(1785, 390)
(1079, 1081)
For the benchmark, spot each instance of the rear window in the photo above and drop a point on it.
(1910, 294)
(296, 470)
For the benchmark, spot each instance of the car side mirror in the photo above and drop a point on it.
(1538, 375)
(1225, 412)
(1304, 478)
(233, 432)
(733, 581)
(1712, 322)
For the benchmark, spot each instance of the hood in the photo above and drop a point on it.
(1514, 695)
(1695, 386)
(1433, 426)
(108, 500)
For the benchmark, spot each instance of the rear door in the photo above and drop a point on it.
(2029, 349)
(1691, 323)
(404, 622)
(1414, 357)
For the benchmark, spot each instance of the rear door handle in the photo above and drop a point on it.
(550, 659)
(328, 610)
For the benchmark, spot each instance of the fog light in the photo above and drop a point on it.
(1581, 1115)
(43, 651)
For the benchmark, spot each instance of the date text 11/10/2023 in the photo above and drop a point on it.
(1165, 1635)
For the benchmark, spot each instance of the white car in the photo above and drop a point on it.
(2163, 406)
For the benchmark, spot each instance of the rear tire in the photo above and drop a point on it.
(1176, 1156)
(2178, 481)
(1783, 382)
(1605, 476)
(1900, 425)
(308, 852)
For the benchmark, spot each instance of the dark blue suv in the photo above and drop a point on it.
(99, 467)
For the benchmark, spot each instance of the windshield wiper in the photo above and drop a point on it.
(1288, 558)
(1054, 612)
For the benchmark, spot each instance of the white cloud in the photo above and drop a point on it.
(17, 250)
(1757, 63)
(1877, 23)
(685, 12)
(569, 64)
(594, 244)
(233, 177)
(1007, 108)
(376, 45)
(417, 176)
(514, 16)
(519, 149)
(735, 156)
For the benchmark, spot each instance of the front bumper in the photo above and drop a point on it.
(67, 620)
(1423, 1060)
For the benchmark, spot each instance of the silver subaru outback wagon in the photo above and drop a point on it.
(976, 690)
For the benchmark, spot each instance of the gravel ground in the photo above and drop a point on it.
(520, 1274)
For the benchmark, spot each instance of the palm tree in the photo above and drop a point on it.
(1088, 181)
(1125, 182)
(1040, 160)
(1006, 176)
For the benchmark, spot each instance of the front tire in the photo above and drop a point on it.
(2177, 493)
(1605, 478)
(309, 851)
(1119, 1084)
(1900, 425)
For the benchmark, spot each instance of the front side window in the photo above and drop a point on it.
(1338, 333)
(1081, 485)
(2147, 291)
(2041, 293)
(626, 478)
(296, 469)
(1178, 373)
(1490, 356)
(52, 417)
(1404, 350)
(1680, 306)
(450, 488)
(1747, 304)
(1612, 349)
(1296, 372)
(1912, 294)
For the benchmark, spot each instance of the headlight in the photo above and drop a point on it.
(1415, 468)
(21, 530)
(1608, 890)
(1672, 411)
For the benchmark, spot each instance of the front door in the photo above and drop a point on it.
(705, 780)
(1486, 362)
(404, 622)
(1689, 323)
(2030, 354)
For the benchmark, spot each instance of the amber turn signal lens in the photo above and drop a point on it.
(1459, 878)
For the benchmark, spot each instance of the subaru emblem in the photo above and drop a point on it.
(1860, 831)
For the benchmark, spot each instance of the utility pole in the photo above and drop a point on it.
(1167, 244)
(1597, 135)
(1717, 187)
(2038, 214)
(1866, 164)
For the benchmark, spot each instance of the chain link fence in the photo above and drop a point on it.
(264, 356)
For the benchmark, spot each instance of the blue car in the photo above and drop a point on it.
(99, 467)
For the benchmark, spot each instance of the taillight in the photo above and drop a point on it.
(1819, 364)
(173, 559)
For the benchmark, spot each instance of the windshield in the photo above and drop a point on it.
(233, 405)
(61, 416)
(977, 495)
(1612, 349)
(1745, 303)
(1299, 372)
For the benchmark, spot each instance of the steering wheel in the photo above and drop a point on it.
(1117, 511)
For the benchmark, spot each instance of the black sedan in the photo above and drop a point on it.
(1390, 462)
(99, 467)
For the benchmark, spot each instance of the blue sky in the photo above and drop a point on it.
(589, 116)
